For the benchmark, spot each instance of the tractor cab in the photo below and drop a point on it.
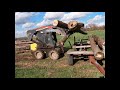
(44, 42)
(43, 36)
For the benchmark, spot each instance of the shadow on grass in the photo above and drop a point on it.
(100, 62)
(102, 77)
(66, 49)
(78, 58)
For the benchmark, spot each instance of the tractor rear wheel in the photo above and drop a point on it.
(54, 54)
(39, 54)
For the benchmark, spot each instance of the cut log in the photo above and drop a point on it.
(61, 24)
(96, 50)
(99, 41)
(76, 27)
(73, 25)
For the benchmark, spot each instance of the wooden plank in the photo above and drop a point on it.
(85, 46)
(80, 52)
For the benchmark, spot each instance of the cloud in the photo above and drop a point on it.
(22, 17)
(44, 23)
(49, 17)
(74, 15)
(53, 15)
(28, 25)
(97, 19)
(101, 24)
(20, 33)
(65, 17)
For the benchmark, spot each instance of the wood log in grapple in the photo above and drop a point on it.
(98, 54)
(61, 24)
(76, 27)
(73, 25)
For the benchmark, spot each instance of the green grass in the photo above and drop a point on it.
(56, 69)
(48, 68)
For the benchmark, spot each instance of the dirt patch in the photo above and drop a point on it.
(22, 50)
(61, 63)
(19, 57)
(25, 64)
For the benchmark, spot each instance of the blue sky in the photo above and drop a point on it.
(29, 20)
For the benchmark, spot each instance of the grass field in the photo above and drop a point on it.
(47, 68)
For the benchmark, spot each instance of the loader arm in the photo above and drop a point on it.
(65, 33)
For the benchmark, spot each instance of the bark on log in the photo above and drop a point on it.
(98, 54)
(99, 41)
(73, 25)
(61, 24)
(76, 27)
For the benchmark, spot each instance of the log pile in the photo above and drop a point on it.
(22, 46)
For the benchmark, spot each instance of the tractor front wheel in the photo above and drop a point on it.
(39, 54)
(54, 54)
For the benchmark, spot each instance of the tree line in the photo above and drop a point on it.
(95, 27)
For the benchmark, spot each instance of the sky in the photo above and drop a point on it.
(29, 20)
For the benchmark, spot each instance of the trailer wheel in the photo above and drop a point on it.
(54, 54)
(39, 54)
(70, 59)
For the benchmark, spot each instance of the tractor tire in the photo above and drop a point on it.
(39, 54)
(70, 59)
(54, 54)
